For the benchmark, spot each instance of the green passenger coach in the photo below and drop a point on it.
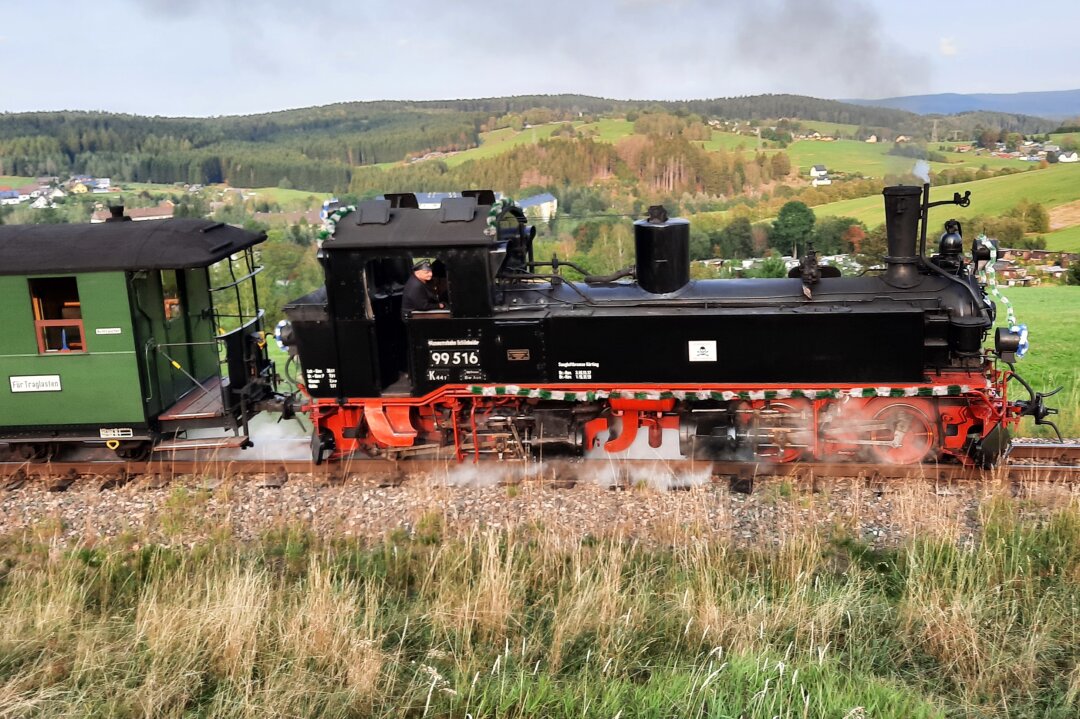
(129, 335)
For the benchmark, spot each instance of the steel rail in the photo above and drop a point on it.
(621, 472)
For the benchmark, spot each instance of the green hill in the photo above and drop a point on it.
(1052, 186)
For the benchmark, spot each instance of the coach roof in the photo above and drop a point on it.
(113, 246)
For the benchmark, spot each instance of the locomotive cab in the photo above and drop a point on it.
(468, 240)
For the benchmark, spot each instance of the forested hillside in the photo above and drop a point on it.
(322, 148)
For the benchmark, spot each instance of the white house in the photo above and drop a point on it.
(872, 138)
(821, 180)
(1068, 157)
(542, 207)
(819, 171)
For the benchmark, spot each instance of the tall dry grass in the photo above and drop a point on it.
(531, 623)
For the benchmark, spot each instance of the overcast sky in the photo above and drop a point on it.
(223, 57)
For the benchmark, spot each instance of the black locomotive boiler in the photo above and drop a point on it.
(887, 366)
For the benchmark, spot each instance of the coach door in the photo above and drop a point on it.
(164, 338)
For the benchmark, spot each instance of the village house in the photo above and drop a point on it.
(542, 207)
(818, 171)
(1068, 157)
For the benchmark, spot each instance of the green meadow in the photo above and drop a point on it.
(496, 142)
(872, 159)
(608, 129)
(289, 199)
(835, 129)
(1052, 315)
(729, 141)
(14, 181)
(1052, 186)
(1064, 240)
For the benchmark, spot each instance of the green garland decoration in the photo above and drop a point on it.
(988, 275)
(510, 390)
(497, 209)
(330, 223)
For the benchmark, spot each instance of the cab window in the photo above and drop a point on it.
(170, 290)
(58, 324)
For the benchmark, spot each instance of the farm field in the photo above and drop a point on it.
(847, 156)
(729, 141)
(1063, 240)
(1052, 186)
(1058, 137)
(290, 199)
(873, 160)
(14, 181)
(499, 141)
(608, 129)
(836, 129)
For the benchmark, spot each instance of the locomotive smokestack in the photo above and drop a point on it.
(662, 249)
(903, 207)
(116, 214)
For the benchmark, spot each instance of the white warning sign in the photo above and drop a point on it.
(702, 350)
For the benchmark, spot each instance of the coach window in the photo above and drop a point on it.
(170, 290)
(58, 322)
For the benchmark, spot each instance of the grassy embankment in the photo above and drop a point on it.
(1052, 186)
(531, 625)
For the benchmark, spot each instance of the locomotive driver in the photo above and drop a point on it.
(419, 293)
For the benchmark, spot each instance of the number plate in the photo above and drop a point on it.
(115, 432)
(453, 358)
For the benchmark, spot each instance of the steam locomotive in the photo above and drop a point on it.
(888, 367)
(517, 360)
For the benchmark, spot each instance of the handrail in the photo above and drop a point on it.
(248, 276)
(247, 325)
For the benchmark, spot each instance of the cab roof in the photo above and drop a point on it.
(118, 246)
(457, 222)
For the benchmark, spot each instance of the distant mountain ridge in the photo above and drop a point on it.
(1054, 104)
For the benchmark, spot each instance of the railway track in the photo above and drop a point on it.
(1027, 461)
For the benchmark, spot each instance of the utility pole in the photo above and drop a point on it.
(933, 133)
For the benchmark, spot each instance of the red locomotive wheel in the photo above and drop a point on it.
(903, 433)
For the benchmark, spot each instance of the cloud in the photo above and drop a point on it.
(947, 47)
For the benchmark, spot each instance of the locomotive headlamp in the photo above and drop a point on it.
(1006, 343)
(951, 243)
